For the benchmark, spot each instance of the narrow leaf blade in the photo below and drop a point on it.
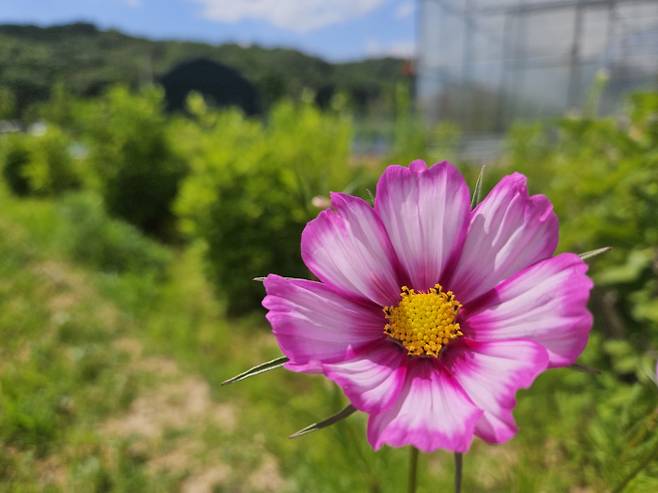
(258, 369)
(348, 411)
(594, 253)
(477, 191)
(370, 196)
(586, 369)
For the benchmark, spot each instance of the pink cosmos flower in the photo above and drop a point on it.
(429, 315)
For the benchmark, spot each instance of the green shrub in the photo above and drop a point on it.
(52, 169)
(251, 188)
(129, 147)
(7, 103)
(15, 156)
(95, 239)
(40, 163)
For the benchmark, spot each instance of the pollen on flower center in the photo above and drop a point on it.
(424, 323)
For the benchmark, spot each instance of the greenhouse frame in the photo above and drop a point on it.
(485, 64)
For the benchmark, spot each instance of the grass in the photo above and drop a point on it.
(110, 381)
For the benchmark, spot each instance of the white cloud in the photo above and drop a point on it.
(293, 15)
(405, 9)
(402, 48)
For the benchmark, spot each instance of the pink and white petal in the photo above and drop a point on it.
(347, 247)
(373, 377)
(425, 212)
(432, 412)
(313, 324)
(546, 303)
(508, 231)
(491, 373)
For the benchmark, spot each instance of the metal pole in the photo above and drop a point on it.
(518, 62)
(504, 79)
(468, 108)
(610, 33)
(574, 60)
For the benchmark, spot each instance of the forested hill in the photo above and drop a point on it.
(87, 59)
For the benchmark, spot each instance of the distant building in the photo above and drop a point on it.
(487, 63)
(220, 85)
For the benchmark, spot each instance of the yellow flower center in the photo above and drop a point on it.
(424, 323)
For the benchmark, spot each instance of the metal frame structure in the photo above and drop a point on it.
(487, 63)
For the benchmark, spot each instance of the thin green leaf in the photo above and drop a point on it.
(258, 369)
(477, 191)
(594, 253)
(371, 196)
(585, 369)
(348, 411)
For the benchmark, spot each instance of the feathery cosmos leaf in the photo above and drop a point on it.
(258, 369)
(594, 253)
(346, 412)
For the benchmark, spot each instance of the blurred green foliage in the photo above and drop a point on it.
(81, 274)
(15, 156)
(7, 103)
(117, 144)
(133, 156)
(412, 137)
(251, 187)
(107, 244)
(40, 162)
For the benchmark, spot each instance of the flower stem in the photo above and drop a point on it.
(458, 471)
(413, 470)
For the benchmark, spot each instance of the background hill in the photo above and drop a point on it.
(33, 59)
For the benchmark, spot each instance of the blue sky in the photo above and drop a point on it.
(334, 29)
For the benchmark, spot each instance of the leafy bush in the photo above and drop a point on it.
(15, 156)
(108, 244)
(40, 163)
(7, 103)
(138, 173)
(251, 188)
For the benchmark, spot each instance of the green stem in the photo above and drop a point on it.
(459, 459)
(413, 469)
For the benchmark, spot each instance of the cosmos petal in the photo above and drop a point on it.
(507, 232)
(546, 303)
(491, 373)
(313, 324)
(425, 212)
(347, 247)
(431, 412)
(373, 377)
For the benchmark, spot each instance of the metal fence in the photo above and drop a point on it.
(487, 63)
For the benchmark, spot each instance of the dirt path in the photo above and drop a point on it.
(168, 422)
(173, 412)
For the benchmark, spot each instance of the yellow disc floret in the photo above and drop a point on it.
(423, 323)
